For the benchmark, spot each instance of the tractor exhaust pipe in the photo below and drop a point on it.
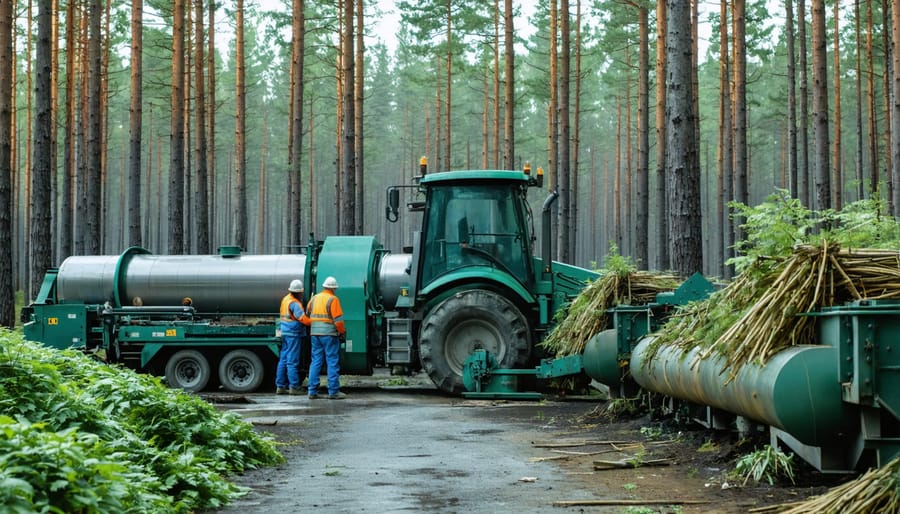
(546, 221)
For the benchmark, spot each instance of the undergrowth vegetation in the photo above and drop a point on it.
(77, 435)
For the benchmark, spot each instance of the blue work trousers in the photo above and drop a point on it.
(287, 374)
(327, 349)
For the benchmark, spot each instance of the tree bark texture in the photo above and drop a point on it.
(684, 181)
(820, 107)
(662, 236)
(176, 139)
(348, 140)
(7, 297)
(240, 152)
(135, 118)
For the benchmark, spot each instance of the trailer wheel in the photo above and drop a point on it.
(465, 322)
(241, 371)
(188, 370)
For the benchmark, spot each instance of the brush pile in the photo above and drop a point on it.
(878, 490)
(586, 315)
(759, 313)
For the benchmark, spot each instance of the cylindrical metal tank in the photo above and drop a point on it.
(215, 283)
(393, 277)
(600, 358)
(797, 390)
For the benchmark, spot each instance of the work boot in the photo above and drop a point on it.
(295, 392)
(337, 396)
(281, 390)
(313, 397)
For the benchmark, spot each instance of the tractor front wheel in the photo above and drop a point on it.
(468, 321)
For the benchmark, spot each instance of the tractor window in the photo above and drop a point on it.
(475, 224)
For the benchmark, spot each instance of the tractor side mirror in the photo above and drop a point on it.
(393, 207)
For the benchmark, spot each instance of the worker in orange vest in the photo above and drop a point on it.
(326, 325)
(287, 376)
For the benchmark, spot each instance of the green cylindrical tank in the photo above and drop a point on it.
(601, 358)
(797, 390)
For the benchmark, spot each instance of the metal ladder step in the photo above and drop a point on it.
(399, 341)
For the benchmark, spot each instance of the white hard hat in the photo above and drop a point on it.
(330, 283)
(296, 286)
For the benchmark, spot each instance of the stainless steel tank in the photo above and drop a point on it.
(393, 277)
(215, 283)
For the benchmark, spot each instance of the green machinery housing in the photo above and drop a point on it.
(469, 281)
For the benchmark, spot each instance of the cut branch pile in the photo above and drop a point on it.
(756, 316)
(876, 491)
(587, 313)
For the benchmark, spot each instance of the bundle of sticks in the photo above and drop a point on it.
(878, 490)
(758, 314)
(586, 315)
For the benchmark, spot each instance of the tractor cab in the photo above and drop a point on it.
(476, 219)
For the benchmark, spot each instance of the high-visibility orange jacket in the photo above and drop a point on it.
(291, 315)
(324, 315)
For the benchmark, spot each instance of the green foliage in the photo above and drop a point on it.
(767, 463)
(781, 223)
(108, 433)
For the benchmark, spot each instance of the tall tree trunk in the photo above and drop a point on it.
(66, 210)
(29, 149)
(7, 291)
(838, 164)
(262, 193)
(201, 193)
(627, 211)
(563, 239)
(496, 129)
(240, 152)
(820, 106)
(485, 107)
(348, 139)
(741, 193)
(40, 174)
(553, 111)
(662, 240)
(860, 190)
(54, 139)
(726, 148)
(895, 104)
(135, 121)
(295, 218)
(94, 186)
(684, 192)
(888, 112)
(792, 98)
(211, 115)
(176, 141)
(642, 209)
(449, 75)
(509, 136)
(576, 140)
(803, 160)
(618, 229)
(358, 95)
(870, 93)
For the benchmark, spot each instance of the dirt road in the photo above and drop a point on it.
(414, 450)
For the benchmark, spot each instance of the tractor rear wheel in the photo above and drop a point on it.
(188, 370)
(468, 321)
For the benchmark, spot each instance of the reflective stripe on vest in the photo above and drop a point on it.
(321, 322)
